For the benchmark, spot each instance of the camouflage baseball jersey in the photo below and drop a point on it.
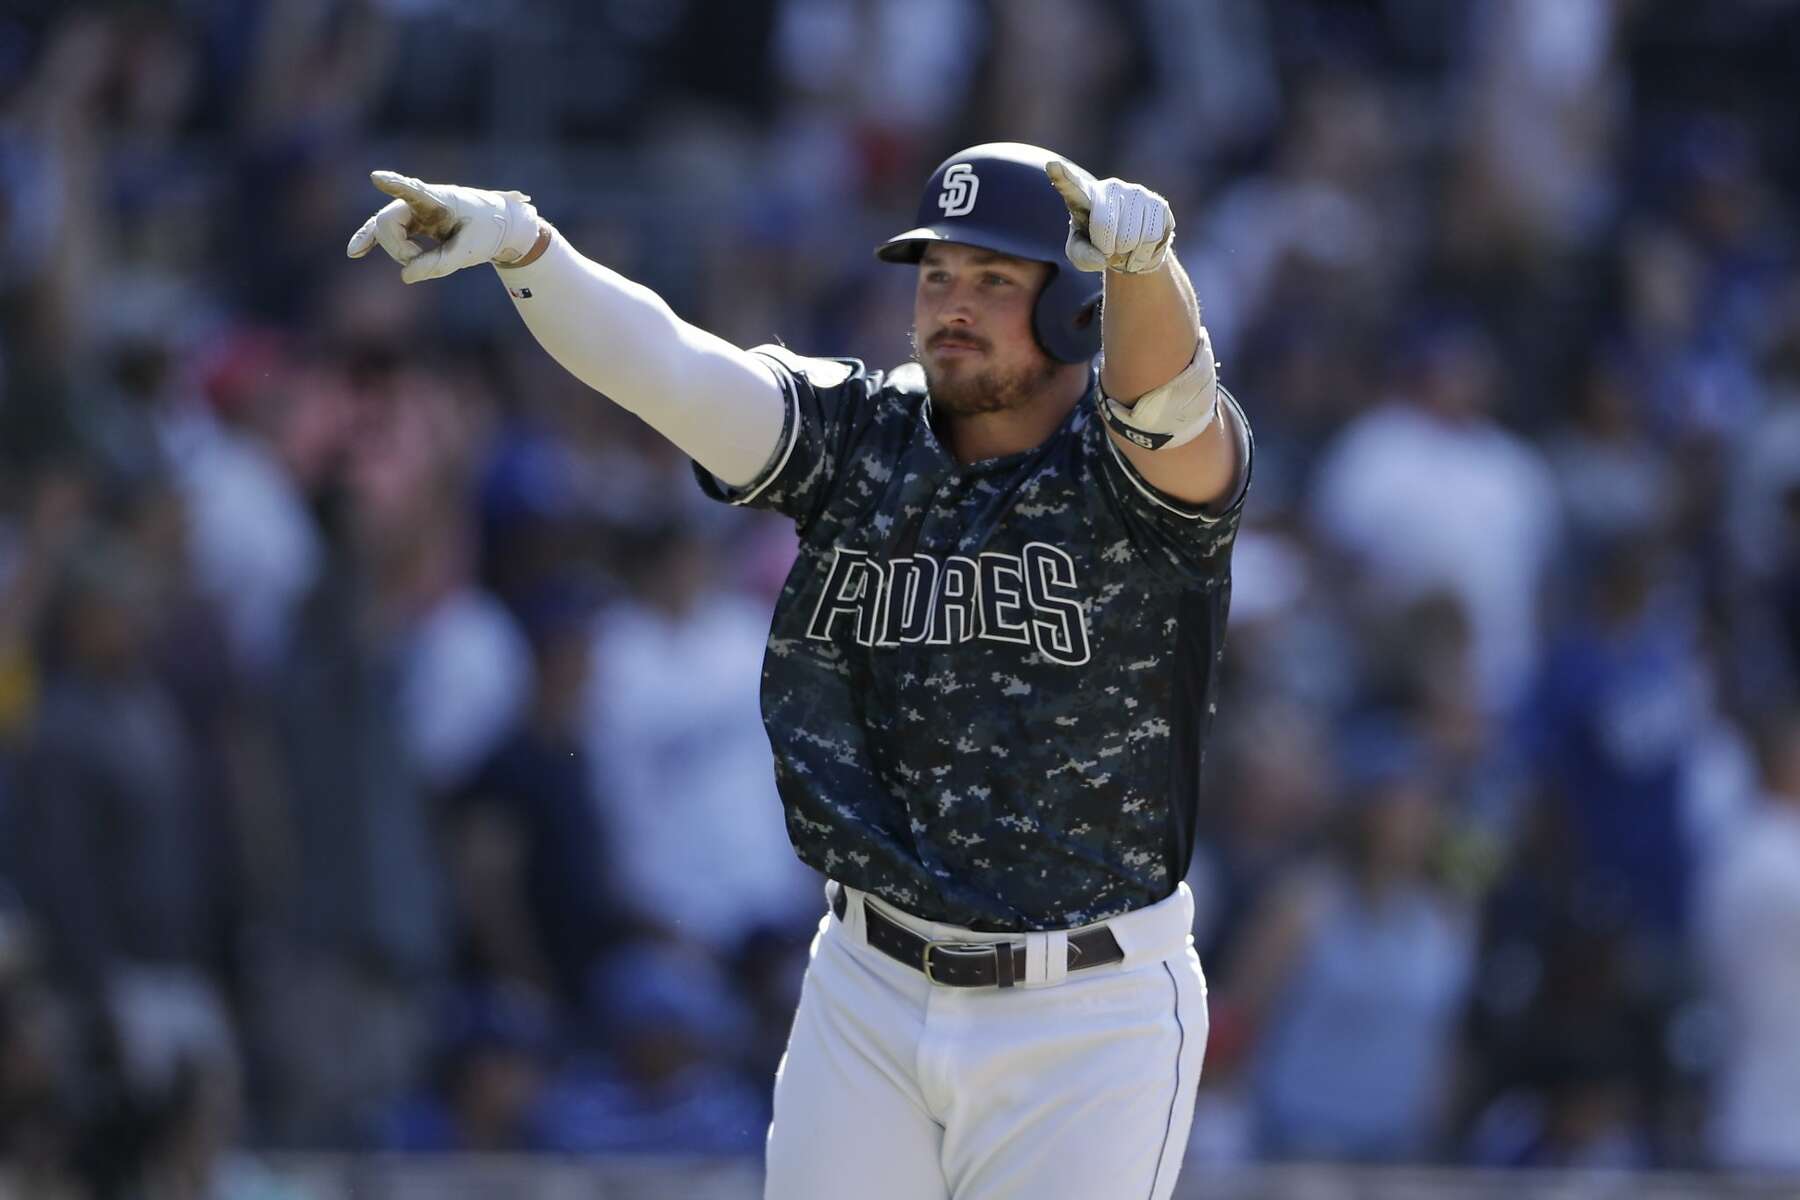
(988, 685)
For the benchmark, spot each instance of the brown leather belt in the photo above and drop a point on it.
(972, 964)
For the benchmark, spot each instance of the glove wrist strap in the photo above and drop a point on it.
(544, 237)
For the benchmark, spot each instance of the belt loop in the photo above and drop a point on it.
(1056, 956)
(1037, 951)
(854, 915)
(847, 906)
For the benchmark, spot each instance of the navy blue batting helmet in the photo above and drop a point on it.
(996, 196)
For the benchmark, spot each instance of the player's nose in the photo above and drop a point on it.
(958, 307)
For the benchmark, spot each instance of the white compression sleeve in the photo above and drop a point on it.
(721, 405)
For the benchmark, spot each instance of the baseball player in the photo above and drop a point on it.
(989, 675)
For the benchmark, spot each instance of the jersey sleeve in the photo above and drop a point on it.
(827, 399)
(1186, 543)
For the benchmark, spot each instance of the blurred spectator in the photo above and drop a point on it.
(1749, 935)
(489, 1085)
(528, 845)
(122, 869)
(464, 669)
(1565, 1033)
(1614, 481)
(39, 1080)
(1544, 89)
(1351, 976)
(1229, 96)
(675, 732)
(672, 1083)
(1308, 231)
(1618, 712)
(54, 506)
(1765, 530)
(1276, 775)
(255, 547)
(170, 1133)
(1427, 491)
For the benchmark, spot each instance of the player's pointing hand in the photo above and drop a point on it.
(1113, 225)
(470, 225)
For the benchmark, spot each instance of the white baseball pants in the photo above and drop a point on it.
(1071, 1084)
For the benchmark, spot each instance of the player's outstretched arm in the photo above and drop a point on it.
(721, 405)
(1157, 368)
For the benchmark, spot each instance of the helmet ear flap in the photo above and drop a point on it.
(1066, 319)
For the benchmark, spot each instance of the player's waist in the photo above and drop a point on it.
(955, 956)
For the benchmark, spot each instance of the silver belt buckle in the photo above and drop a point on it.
(965, 950)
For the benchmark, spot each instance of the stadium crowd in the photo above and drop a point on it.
(380, 763)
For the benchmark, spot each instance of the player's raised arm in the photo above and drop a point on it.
(720, 404)
(1157, 370)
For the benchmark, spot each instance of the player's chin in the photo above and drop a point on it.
(964, 394)
(942, 380)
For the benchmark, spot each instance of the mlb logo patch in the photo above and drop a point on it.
(520, 293)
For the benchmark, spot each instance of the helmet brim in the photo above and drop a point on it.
(909, 247)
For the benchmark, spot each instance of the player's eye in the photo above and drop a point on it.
(991, 279)
(937, 275)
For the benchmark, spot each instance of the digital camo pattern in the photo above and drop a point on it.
(986, 686)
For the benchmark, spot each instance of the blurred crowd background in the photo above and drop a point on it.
(380, 764)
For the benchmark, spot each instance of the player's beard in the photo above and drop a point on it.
(968, 392)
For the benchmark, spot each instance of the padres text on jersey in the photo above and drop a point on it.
(1031, 598)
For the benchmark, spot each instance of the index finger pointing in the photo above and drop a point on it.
(1074, 185)
(426, 205)
(400, 187)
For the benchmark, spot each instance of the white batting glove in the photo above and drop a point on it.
(1113, 225)
(471, 225)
